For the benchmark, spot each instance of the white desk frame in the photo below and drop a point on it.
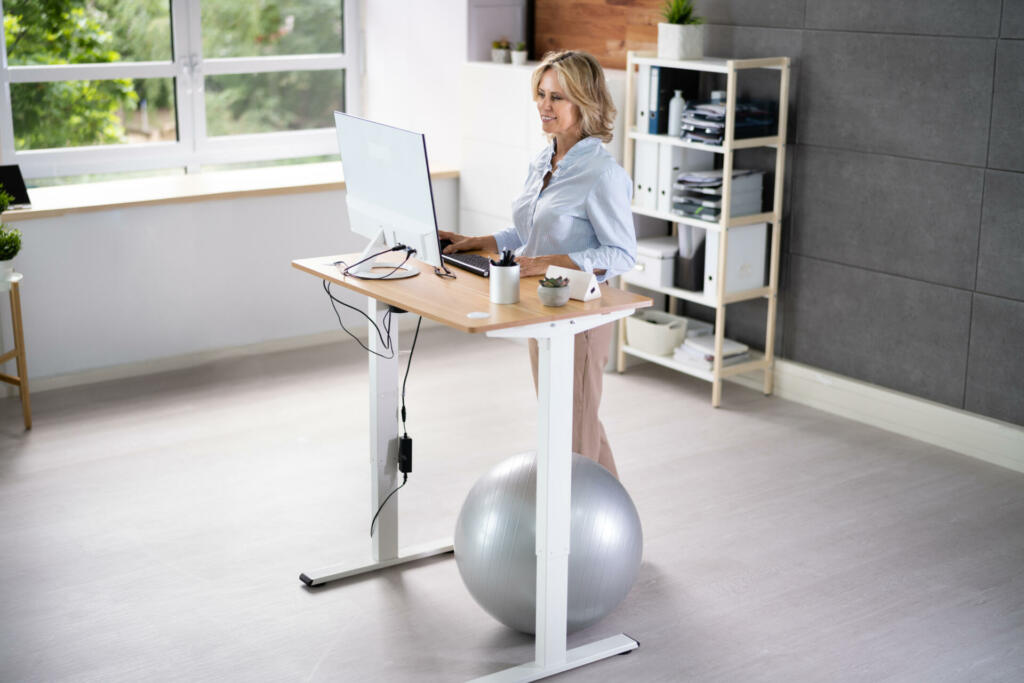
(554, 472)
(384, 476)
(554, 479)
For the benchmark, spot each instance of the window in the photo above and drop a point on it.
(107, 86)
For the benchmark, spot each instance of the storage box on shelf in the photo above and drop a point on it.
(735, 238)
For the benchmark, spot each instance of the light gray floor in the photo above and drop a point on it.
(154, 529)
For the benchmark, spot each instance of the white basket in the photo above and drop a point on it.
(655, 332)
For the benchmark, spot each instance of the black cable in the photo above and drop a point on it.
(408, 252)
(385, 343)
(405, 478)
(443, 272)
(408, 364)
(405, 432)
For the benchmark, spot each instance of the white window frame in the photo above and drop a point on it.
(188, 67)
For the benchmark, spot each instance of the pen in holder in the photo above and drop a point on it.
(504, 277)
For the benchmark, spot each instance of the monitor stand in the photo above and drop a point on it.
(380, 270)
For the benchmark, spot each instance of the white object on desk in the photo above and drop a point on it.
(582, 286)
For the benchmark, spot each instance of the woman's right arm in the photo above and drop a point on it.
(465, 243)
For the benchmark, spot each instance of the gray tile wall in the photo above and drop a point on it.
(903, 240)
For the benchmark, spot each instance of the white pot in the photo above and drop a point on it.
(519, 57)
(553, 296)
(6, 270)
(499, 56)
(680, 41)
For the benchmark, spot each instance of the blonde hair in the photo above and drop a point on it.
(582, 78)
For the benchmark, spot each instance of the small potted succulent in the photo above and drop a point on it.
(681, 35)
(499, 51)
(519, 54)
(10, 244)
(553, 291)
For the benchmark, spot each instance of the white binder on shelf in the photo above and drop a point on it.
(670, 161)
(645, 175)
(744, 263)
(643, 84)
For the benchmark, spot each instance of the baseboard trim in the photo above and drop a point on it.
(189, 360)
(987, 439)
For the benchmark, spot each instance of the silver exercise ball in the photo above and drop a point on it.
(496, 555)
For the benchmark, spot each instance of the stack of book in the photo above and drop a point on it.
(705, 122)
(699, 352)
(698, 194)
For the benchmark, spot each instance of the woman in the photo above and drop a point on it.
(574, 212)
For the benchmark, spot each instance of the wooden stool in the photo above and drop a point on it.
(21, 380)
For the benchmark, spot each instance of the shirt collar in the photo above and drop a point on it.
(575, 153)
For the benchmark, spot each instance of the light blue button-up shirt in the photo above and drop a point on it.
(583, 212)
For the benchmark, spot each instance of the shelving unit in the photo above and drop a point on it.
(730, 68)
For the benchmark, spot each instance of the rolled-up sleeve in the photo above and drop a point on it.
(608, 207)
(508, 239)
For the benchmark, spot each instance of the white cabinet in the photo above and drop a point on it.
(728, 251)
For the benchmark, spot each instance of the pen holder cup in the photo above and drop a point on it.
(504, 284)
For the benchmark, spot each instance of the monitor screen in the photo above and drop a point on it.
(387, 185)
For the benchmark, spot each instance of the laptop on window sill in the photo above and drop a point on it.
(13, 184)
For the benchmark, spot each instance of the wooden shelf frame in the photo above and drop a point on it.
(730, 68)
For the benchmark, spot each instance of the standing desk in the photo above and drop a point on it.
(458, 303)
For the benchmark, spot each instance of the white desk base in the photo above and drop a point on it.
(345, 570)
(384, 476)
(554, 487)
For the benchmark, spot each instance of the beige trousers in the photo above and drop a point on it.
(590, 355)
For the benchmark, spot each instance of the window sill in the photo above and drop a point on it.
(67, 199)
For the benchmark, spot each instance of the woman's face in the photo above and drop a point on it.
(558, 116)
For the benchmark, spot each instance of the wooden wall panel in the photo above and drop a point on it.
(604, 28)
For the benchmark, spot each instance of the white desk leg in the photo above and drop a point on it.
(383, 435)
(554, 487)
(384, 477)
(554, 472)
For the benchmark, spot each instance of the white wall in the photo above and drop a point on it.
(110, 288)
(414, 53)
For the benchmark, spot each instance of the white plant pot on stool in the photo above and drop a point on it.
(680, 41)
(6, 273)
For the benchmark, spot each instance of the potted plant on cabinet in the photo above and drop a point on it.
(681, 35)
(10, 244)
(519, 54)
(499, 51)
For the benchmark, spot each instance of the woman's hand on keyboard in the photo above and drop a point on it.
(458, 242)
(465, 243)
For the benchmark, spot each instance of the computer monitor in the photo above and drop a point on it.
(388, 192)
